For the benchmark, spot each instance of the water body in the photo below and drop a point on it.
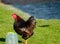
(42, 10)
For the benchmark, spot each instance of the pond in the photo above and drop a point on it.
(42, 10)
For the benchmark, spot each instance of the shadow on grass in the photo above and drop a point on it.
(3, 40)
(44, 26)
(20, 41)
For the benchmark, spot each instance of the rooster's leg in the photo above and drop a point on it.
(25, 42)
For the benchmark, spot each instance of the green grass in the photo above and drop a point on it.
(46, 31)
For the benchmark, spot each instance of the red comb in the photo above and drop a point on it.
(14, 16)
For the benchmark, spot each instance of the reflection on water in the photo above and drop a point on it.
(42, 10)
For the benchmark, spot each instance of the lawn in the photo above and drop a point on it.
(46, 31)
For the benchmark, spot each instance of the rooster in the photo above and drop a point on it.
(24, 28)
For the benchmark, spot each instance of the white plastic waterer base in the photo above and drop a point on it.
(11, 38)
